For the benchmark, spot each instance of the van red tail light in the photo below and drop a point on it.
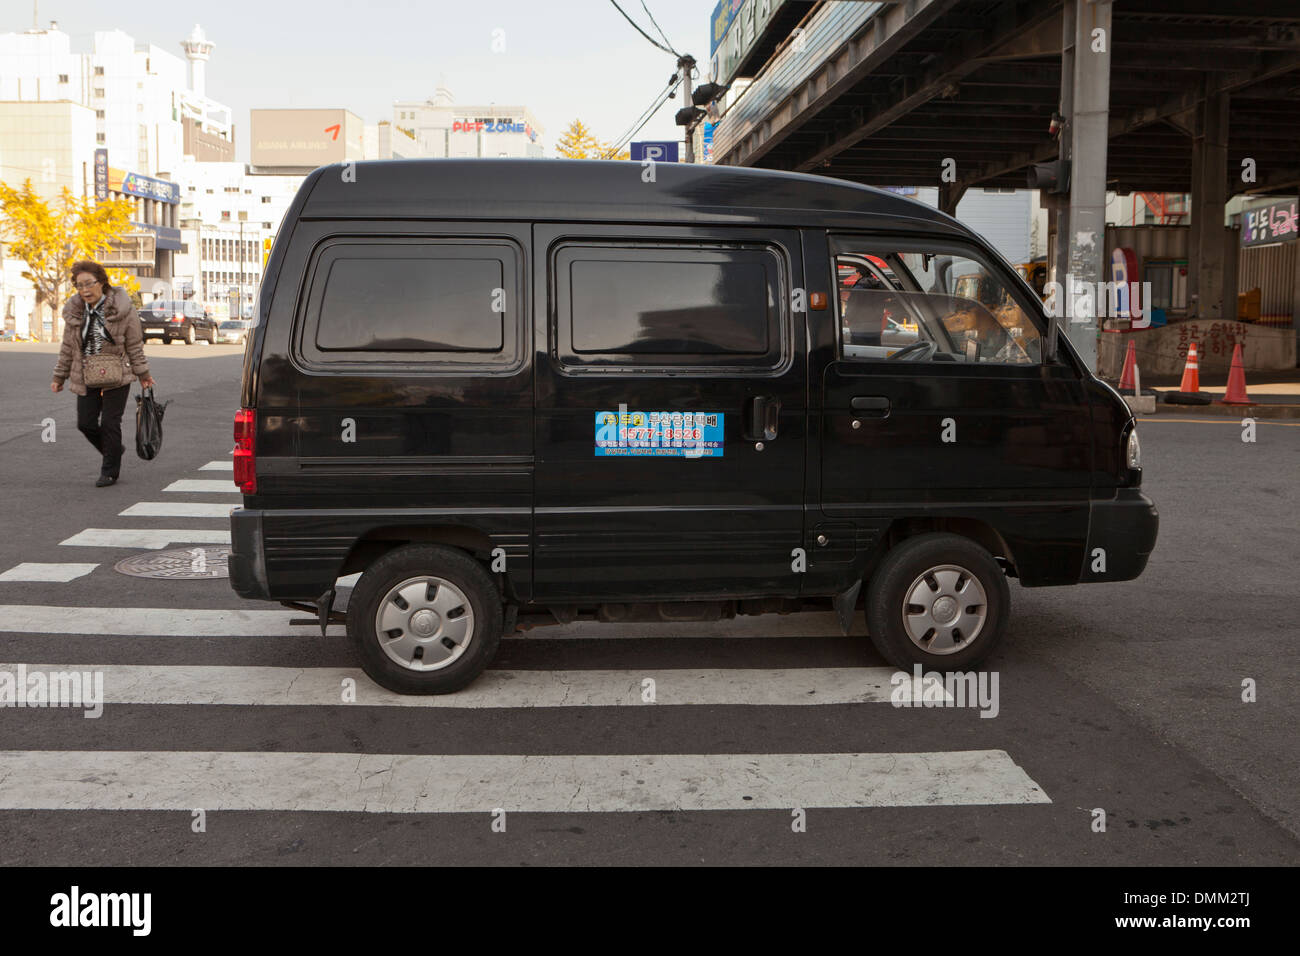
(177, 317)
(244, 453)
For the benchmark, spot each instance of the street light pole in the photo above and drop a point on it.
(241, 268)
(686, 64)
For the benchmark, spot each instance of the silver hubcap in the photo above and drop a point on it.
(944, 610)
(424, 623)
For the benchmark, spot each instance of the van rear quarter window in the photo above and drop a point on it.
(668, 305)
(445, 302)
(415, 303)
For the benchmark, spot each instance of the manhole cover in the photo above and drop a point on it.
(207, 562)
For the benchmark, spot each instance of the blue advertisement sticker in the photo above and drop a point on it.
(660, 434)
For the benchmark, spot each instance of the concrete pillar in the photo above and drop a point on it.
(1295, 298)
(1058, 206)
(1089, 132)
(1206, 246)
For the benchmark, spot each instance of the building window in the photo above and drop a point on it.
(208, 191)
(99, 138)
(99, 91)
(266, 199)
(99, 71)
(99, 114)
(63, 77)
(266, 225)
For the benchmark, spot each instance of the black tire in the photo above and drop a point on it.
(453, 567)
(190, 338)
(901, 570)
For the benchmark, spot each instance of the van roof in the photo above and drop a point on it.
(605, 190)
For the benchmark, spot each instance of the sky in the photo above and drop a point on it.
(563, 59)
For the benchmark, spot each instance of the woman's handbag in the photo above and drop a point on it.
(104, 371)
(148, 425)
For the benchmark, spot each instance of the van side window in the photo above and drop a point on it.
(430, 302)
(669, 305)
(420, 304)
(938, 306)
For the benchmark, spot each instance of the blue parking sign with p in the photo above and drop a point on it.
(659, 151)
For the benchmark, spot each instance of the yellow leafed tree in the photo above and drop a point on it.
(579, 143)
(50, 236)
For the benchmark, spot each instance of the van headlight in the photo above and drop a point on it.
(1134, 452)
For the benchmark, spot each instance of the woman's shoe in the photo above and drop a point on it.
(105, 480)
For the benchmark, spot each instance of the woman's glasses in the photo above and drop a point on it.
(88, 284)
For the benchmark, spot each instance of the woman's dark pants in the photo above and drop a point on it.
(99, 418)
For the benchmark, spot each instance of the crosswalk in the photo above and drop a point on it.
(86, 633)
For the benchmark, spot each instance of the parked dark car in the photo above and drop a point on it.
(169, 319)
(601, 399)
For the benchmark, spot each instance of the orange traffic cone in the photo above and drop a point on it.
(1236, 393)
(1191, 372)
(1130, 362)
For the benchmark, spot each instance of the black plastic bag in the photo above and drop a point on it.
(148, 425)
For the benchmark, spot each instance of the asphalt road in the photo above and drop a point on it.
(1124, 697)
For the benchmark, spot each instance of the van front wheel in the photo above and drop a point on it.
(939, 600)
(425, 620)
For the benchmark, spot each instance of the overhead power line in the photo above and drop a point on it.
(644, 118)
(640, 31)
(658, 28)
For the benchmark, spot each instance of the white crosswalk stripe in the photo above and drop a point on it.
(204, 486)
(31, 571)
(218, 466)
(403, 783)
(178, 509)
(323, 686)
(150, 538)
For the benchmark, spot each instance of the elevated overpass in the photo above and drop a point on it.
(1149, 96)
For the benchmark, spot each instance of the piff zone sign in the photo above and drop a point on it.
(492, 126)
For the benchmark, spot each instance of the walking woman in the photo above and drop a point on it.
(102, 349)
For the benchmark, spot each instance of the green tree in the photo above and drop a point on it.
(50, 236)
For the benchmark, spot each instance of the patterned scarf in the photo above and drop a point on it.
(96, 334)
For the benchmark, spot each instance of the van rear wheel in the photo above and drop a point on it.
(425, 619)
(939, 600)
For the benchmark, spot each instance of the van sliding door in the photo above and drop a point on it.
(670, 418)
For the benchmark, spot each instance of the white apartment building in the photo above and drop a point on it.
(437, 127)
(127, 108)
(227, 215)
(139, 92)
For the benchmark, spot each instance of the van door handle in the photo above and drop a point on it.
(870, 403)
(761, 422)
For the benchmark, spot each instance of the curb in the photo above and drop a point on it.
(1214, 409)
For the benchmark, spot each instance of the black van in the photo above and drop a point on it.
(521, 391)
